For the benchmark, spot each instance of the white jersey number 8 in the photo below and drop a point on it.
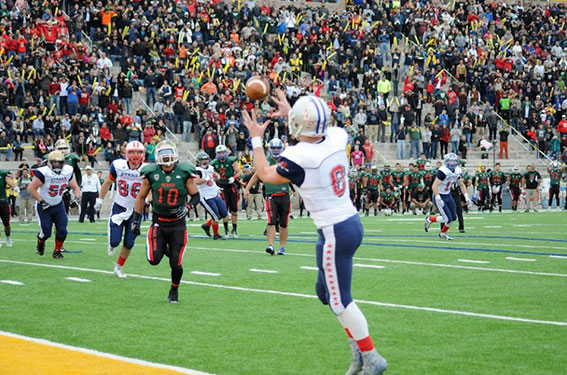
(338, 180)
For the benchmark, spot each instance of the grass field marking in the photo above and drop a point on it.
(205, 273)
(473, 261)
(309, 268)
(493, 226)
(87, 239)
(303, 295)
(521, 259)
(368, 266)
(78, 279)
(535, 273)
(262, 271)
(558, 256)
(139, 362)
(11, 282)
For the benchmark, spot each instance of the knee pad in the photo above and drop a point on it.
(321, 293)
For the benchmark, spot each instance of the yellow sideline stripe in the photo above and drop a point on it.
(21, 355)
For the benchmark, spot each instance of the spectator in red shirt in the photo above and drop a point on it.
(105, 134)
(209, 143)
(368, 150)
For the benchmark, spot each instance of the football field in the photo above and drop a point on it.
(492, 301)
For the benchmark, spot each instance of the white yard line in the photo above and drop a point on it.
(105, 355)
(205, 273)
(11, 282)
(473, 261)
(521, 259)
(558, 256)
(302, 295)
(262, 271)
(493, 226)
(88, 239)
(78, 279)
(536, 273)
(368, 266)
(309, 268)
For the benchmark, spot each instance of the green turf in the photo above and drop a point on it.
(228, 331)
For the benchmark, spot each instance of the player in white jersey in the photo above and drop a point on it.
(317, 168)
(447, 176)
(126, 174)
(209, 192)
(47, 188)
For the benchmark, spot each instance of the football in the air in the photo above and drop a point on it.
(257, 88)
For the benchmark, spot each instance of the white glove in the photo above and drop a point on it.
(98, 204)
(439, 201)
(17, 190)
(468, 200)
(231, 180)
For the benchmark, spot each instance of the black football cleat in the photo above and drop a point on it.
(218, 237)
(207, 229)
(40, 248)
(270, 250)
(57, 254)
(172, 297)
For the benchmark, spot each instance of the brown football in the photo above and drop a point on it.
(257, 88)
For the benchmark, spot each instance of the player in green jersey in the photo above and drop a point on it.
(277, 202)
(497, 181)
(170, 182)
(5, 211)
(422, 162)
(514, 182)
(229, 171)
(361, 197)
(399, 179)
(428, 176)
(70, 158)
(372, 184)
(387, 179)
(555, 171)
(415, 177)
(387, 201)
(353, 184)
(482, 185)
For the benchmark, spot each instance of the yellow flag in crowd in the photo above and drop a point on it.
(51, 110)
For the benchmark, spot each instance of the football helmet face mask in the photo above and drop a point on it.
(275, 147)
(55, 160)
(221, 152)
(135, 153)
(63, 146)
(203, 159)
(310, 116)
(166, 153)
(451, 161)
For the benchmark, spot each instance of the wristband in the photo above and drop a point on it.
(257, 142)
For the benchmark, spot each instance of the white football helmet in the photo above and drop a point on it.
(166, 153)
(135, 153)
(63, 146)
(310, 116)
(55, 160)
(555, 165)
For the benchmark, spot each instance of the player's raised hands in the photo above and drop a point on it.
(283, 105)
(256, 130)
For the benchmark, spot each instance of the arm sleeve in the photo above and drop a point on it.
(40, 176)
(440, 175)
(290, 170)
(112, 172)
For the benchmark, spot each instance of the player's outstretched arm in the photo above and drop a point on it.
(283, 105)
(249, 185)
(76, 189)
(265, 172)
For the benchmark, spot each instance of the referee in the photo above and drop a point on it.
(90, 187)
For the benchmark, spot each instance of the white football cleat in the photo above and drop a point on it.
(427, 223)
(356, 363)
(373, 363)
(8, 242)
(111, 251)
(119, 272)
(445, 236)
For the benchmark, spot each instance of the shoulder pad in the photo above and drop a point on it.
(232, 159)
(186, 167)
(150, 168)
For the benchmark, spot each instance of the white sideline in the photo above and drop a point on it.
(398, 262)
(262, 271)
(309, 268)
(521, 259)
(11, 282)
(202, 273)
(302, 295)
(368, 266)
(78, 279)
(473, 261)
(105, 355)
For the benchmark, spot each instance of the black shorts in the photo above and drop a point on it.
(278, 208)
(166, 237)
(5, 213)
(230, 197)
(515, 193)
(372, 196)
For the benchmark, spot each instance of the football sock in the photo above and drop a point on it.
(216, 229)
(353, 320)
(433, 219)
(225, 223)
(174, 286)
(8, 230)
(58, 245)
(121, 261)
(366, 344)
(445, 229)
(208, 223)
(234, 227)
(176, 274)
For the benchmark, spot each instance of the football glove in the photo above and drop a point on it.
(468, 200)
(439, 201)
(231, 180)
(98, 204)
(75, 202)
(44, 204)
(136, 223)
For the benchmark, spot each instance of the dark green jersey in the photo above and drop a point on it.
(361, 175)
(275, 189)
(387, 178)
(373, 181)
(516, 179)
(497, 178)
(398, 178)
(428, 178)
(3, 174)
(414, 179)
(555, 177)
(421, 163)
(387, 197)
(169, 192)
(482, 180)
(467, 178)
(225, 170)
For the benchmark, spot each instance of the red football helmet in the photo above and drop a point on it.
(135, 153)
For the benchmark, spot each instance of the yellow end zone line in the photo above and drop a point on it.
(28, 355)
